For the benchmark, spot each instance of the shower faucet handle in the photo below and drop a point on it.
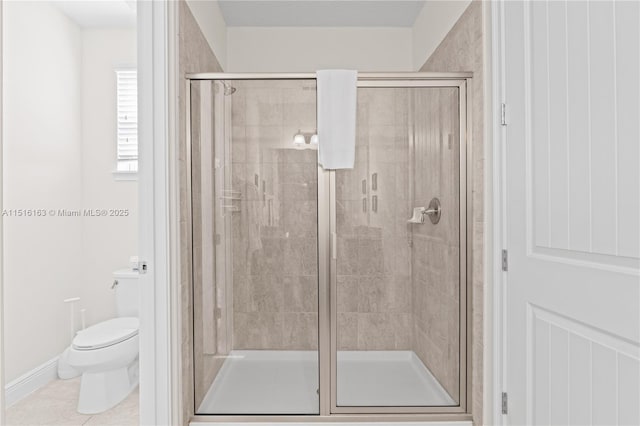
(115, 283)
(434, 211)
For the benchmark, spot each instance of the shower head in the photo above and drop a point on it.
(228, 89)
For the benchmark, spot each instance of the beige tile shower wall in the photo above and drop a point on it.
(274, 235)
(374, 258)
(435, 251)
(194, 55)
(462, 50)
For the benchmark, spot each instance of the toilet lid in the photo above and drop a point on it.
(106, 333)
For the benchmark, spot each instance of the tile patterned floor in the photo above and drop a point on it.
(55, 404)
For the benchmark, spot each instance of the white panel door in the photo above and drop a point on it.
(572, 188)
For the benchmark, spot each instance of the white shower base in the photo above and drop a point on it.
(286, 382)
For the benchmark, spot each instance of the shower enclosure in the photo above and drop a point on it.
(321, 292)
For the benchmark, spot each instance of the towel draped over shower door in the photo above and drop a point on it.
(337, 118)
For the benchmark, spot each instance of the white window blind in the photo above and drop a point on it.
(127, 101)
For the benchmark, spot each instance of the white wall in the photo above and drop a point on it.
(59, 153)
(108, 242)
(42, 158)
(209, 17)
(431, 27)
(294, 49)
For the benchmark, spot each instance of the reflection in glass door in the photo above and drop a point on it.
(398, 281)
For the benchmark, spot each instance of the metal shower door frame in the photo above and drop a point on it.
(327, 262)
(464, 263)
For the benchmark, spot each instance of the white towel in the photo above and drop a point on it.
(337, 118)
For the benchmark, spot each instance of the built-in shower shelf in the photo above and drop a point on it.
(229, 194)
(233, 196)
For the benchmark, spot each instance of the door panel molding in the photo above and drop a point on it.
(566, 359)
(573, 173)
(618, 264)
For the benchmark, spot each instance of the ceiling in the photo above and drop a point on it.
(100, 13)
(320, 13)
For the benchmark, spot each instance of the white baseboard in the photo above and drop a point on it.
(31, 381)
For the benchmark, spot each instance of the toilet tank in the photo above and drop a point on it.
(127, 293)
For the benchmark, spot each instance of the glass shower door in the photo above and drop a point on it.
(397, 284)
(263, 220)
(328, 292)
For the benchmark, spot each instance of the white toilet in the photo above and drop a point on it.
(106, 354)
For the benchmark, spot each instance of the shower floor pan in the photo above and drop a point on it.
(286, 382)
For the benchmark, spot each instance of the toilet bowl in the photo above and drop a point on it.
(106, 353)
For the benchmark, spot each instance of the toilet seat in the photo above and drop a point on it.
(106, 333)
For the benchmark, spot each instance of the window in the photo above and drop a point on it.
(127, 104)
